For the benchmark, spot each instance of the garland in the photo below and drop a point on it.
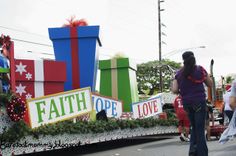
(16, 108)
(20, 129)
(4, 98)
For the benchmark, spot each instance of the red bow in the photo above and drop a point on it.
(72, 22)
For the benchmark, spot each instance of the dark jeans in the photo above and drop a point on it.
(229, 114)
(197, 115)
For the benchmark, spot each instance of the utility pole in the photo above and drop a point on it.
(160, 42)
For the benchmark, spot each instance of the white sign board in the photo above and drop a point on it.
(112, 107)
(148, 108)
(58, 107)
(166, 97)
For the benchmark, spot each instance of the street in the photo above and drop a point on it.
(145, 146)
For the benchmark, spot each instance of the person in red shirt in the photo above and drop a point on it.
(182, 116)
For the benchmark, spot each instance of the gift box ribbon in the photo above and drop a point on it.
(75, 58)
(114, 77)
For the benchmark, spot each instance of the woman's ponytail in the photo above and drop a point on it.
(189, 63)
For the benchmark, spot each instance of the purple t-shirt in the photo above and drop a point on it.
(192, 89)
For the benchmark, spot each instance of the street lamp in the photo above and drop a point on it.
(181, 50)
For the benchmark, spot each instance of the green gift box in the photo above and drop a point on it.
(118, 80)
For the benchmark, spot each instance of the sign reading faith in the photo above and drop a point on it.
(147, 108)
(58, 107)
(112, 107)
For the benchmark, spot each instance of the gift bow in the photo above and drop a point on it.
(72, 22)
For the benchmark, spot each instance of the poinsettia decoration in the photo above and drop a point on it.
(72, 22)
(5, 41)
(16, 108)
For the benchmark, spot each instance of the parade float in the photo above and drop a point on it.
(49, 105)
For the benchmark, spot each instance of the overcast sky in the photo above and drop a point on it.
(130, 27)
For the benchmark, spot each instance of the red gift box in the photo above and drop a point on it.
(35, 78)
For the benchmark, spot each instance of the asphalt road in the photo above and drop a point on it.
(145, 146)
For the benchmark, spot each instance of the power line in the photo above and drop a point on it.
(25, 41)
(18, 30)
(42, 44)
(47, 45)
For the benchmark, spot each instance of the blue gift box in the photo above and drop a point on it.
(77, 46)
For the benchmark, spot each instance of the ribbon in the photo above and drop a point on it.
(75, 58)
(114, 80)
(39, 78)
(73, 24)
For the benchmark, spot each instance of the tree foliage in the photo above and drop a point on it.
(148, 75)
(229, 79)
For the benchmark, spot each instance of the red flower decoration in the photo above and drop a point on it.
(5, 41)
(16, 109)
(72, 22)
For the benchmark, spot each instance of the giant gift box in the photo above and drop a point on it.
(118, 80)
(35, 78)
(77, 47)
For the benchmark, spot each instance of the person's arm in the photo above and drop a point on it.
(212, 117)
(232, 102)
(208, 81)
(175, 87)
(232, 98)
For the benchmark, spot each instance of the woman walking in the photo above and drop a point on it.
(189, 83)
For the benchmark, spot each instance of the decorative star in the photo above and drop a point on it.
(28, 76)
(20, 89)
(28, 96)
(21, 68)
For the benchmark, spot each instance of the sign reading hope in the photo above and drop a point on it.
(58, 107)
(147, 108)
(112, 107)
